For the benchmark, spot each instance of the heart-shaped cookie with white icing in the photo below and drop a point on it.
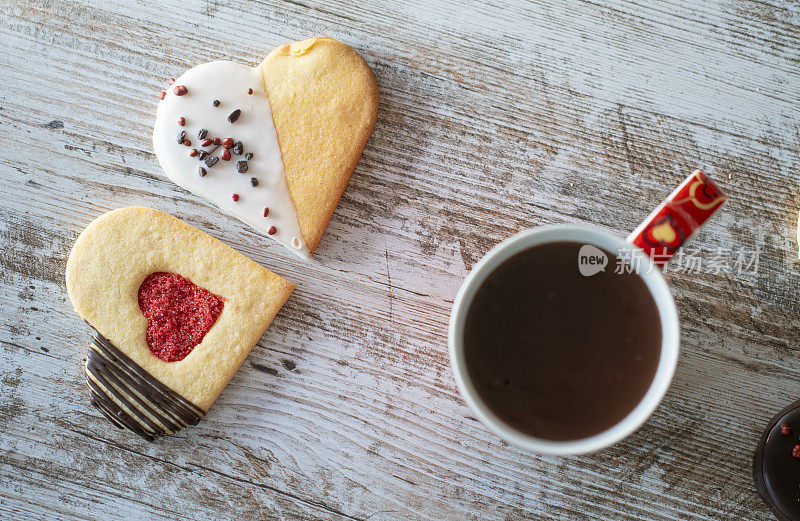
(275, 144)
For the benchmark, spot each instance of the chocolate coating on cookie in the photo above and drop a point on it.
(130, 397)
(776, 470)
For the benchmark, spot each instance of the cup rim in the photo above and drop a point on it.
(670, 338)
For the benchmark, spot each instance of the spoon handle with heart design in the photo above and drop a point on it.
(671, 224)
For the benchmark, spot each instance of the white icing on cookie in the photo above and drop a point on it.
(228, 82)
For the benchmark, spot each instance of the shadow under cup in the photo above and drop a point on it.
(562, 347)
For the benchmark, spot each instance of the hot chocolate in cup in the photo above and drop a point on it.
(564, 339)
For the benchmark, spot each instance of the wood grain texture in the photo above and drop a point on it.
(494, 117)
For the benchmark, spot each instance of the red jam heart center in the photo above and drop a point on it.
(179, 314)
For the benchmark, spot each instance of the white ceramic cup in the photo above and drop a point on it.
(667, 313)
(647, 270)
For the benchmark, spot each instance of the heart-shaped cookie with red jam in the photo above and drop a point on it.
(174, 312)
(179, 314)
(273, 145)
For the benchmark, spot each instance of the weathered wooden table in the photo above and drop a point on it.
(494, 117)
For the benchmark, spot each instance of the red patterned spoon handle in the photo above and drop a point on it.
(678, 217)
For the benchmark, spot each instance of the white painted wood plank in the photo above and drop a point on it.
(494, 117)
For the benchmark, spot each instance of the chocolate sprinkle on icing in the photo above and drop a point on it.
(132, 398)
(241, 166)
(202, 134)
(238, 148)
(181, 137)
(215, 103)
(211, 161)
(233, 116)
(202, 155)
(248, 156)
(254, 181)
(202, 171)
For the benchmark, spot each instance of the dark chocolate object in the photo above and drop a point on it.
(238, 148)
(181, 137)
(211, 161)
(233, 116)
(241, 166)
(149, 408)
(202, 134)
(775, 471)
